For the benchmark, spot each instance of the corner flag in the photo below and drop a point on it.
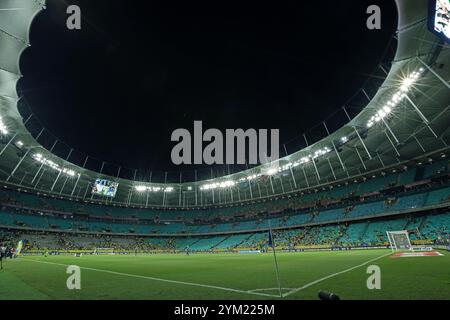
(271, 244)
(270, 239)
(19, 247)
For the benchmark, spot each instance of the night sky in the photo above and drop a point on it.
(137, 70)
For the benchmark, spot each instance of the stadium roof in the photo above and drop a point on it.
(404, 119)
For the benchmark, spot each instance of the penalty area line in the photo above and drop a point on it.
(270, 289)
(334, 275)
(192, 284)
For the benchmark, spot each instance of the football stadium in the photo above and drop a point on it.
(363, 213)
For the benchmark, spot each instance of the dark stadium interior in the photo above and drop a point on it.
(131, 81)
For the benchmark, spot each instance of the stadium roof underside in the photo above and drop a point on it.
(405, 120)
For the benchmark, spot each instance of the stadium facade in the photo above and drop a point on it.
(398, 140)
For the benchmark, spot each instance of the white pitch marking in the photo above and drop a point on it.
(160, 279)
(270, 289)
(333, 275)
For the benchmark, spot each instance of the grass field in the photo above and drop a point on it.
(227, 276)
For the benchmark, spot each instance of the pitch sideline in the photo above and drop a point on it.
(334, 275)
(250, 292)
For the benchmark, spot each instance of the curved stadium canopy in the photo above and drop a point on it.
(404, 120)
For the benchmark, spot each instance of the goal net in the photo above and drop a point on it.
(399, 240)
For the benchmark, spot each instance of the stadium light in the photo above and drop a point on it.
(250, 178)
(253, 177)
(49, 163)
(3, 128)
(289, 165)
(409, 81)
(397, 97)
(69, 172)
(142, 188)
(222, 185)
(304, 160)
(320, 152)
(168, 189)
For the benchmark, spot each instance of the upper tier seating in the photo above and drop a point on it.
(313, 207)
(407, 202)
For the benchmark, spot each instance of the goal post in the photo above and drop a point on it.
(399, 240)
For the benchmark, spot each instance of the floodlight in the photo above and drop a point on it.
(3, 128)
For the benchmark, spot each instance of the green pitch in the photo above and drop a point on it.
(227, 276)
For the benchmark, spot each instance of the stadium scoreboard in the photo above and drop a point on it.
(105, 188)
(439, 18)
